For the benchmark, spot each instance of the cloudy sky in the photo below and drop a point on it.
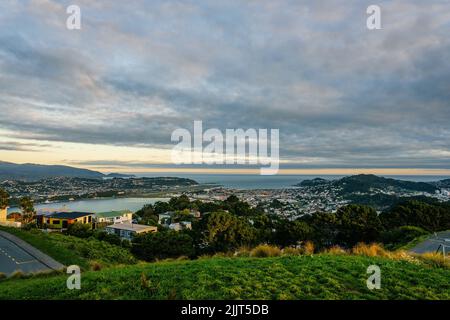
(109, 96)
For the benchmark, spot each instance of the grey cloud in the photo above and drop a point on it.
(341, 95)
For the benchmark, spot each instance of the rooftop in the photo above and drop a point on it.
(110, 214)
(132, 227)
(69, 215)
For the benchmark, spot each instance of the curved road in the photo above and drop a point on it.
(17, 255)
(433, 243)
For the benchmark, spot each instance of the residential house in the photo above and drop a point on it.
(112, 217)
(6, 221)
(129, 230)
(61, 220)
(165, 217)
(178, 226)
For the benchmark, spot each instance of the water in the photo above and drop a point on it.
(248, 181)
(96, 205)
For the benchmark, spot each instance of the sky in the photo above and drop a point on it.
(344, 98)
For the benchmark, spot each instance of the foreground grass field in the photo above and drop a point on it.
(322, 276)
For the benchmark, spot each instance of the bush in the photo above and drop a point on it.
(336, 250)
(264, 251)
(370, 250)
(162, 245)
(434, 259)
(308, 247)
(79, 230)
(289, 251)
(402, 235)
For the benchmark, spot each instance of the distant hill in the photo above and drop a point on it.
(32, 172)
(313, 182)
(119, 175)
(365, 182)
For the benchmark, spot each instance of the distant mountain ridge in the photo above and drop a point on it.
(365, 182)
(32, 172)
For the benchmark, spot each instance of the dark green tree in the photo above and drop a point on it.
(28, 211)
(4, 199)
(162, 245)
(356, 223)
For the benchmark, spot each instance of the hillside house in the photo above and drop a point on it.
(62, 220)
(129, 230)
(112, 217)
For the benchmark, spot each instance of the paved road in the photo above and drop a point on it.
(13, 258)
(433, 243)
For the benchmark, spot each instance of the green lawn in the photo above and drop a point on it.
(70, 250)
(321, 276)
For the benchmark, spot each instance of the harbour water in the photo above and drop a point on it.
(96, 205)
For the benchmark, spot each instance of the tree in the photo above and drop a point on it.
(79, 230)
(28, 212)
(356, 223)
(222, 231)
(429, 216)
(291, 232)
(147, 215)
(162, 245)
(180, 203)
(4, 199)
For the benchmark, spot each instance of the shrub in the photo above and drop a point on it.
(17, 275)
(336, 250)
(402, 235)
(162, 245)
(242, 252)
(79, 230)
(290, 251)
(434, 259)
(370, 250)
(308, 247)
(2, 276)
(265, 250)
(95, 266)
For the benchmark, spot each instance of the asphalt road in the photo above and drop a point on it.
(14, 258)
(432, 244)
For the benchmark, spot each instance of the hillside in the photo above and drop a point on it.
(32, 172)
(320, 276)
(365, 182)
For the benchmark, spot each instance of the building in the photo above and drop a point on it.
(129, 230)
(178, 226)
(112, 217)
(61, 220)
(165, 217)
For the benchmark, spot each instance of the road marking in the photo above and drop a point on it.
(25, 262)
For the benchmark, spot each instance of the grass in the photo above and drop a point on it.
(319, 276)
(68, 250)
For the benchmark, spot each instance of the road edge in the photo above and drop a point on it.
(37, 254)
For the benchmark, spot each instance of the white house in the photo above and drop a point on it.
(129, 230)
(121, 216)
(178, 226)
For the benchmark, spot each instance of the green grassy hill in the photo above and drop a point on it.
(322, 276)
